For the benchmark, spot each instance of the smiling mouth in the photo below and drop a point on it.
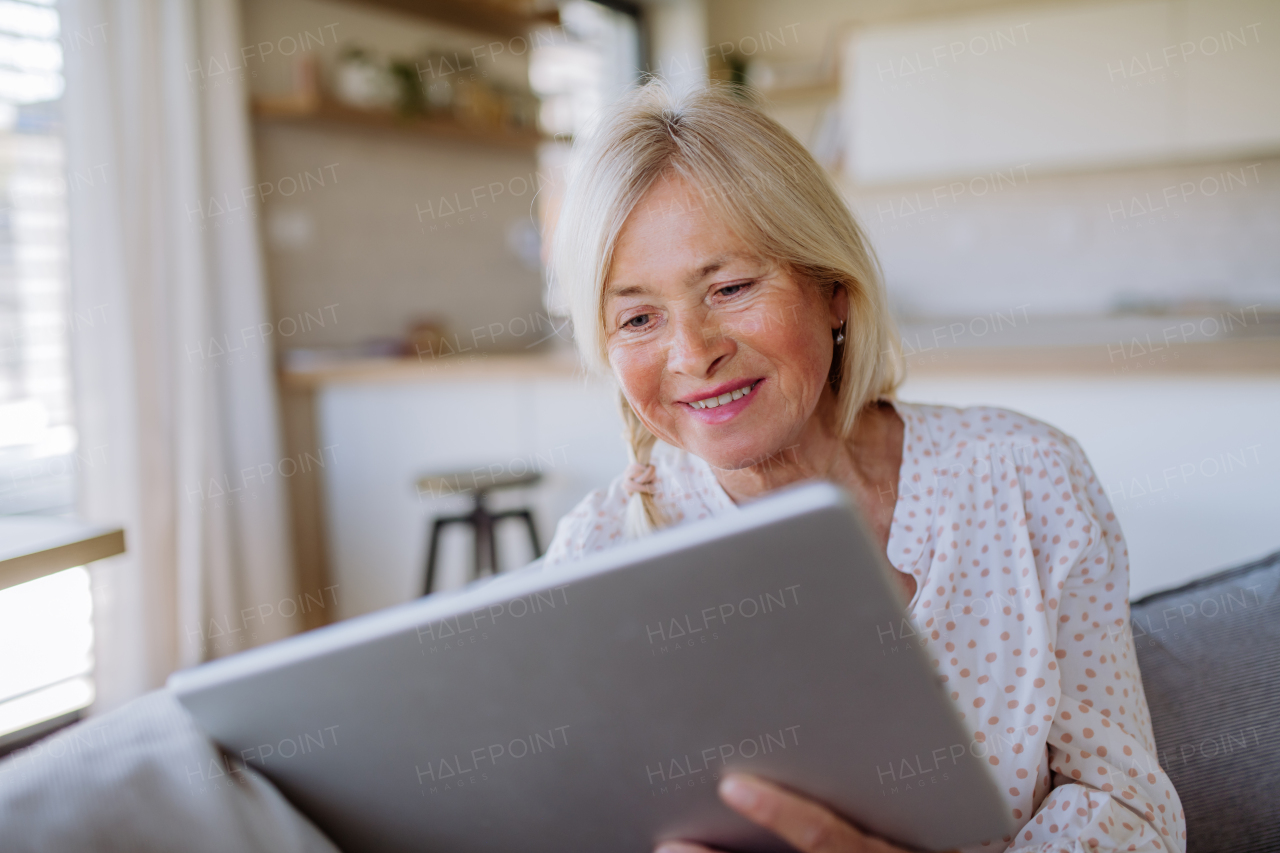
(728, 397)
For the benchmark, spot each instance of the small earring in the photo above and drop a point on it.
(840, 334)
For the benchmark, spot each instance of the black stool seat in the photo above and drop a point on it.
(477, 483)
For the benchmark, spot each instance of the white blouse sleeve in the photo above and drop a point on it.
(595, 524)
(1109, 792)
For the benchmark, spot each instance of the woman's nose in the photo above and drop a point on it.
(698, 347)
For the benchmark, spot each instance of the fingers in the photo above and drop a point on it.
(803, 823)
(682, 847)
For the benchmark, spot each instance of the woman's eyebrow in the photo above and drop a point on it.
(714, 265)
(711, 266)
(628, 290)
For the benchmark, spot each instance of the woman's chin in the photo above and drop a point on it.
(737, 455)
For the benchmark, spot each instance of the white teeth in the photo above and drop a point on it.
(713, 402)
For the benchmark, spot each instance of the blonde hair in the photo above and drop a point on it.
(766, 187)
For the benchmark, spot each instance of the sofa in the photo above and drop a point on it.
(1210, 658)
(144, 778)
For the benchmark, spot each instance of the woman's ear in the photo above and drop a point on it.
(839, 306)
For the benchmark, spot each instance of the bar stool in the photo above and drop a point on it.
(482, 521)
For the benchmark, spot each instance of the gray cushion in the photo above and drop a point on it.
(143, 779)
(1210, 658)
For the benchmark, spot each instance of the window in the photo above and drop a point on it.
(46, 634)
(576, 69)
(588, 62)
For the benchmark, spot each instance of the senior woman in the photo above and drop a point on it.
(710, 264)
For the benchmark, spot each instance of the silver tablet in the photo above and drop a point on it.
(594, 707)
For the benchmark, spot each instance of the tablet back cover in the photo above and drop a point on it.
(595, 707)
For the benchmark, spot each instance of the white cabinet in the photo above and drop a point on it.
(1056, 88)
(1233, 75)
(382, 436)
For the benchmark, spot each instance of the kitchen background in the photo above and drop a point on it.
(1076, 205)
(1075, 221)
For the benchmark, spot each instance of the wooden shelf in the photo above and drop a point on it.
(506, 18)
(331, 114)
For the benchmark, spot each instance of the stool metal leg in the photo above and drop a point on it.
(484, 555)
(527, 517)
(533, 532)
(490, 529)
(434, 550)
(436, 527)
(483, 524)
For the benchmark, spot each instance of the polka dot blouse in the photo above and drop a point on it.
(1022, 581)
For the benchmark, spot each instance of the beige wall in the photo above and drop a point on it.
(367, 232)
(801, 31)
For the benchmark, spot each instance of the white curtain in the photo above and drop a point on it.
(175, 424)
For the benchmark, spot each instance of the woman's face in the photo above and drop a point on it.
(692, 314)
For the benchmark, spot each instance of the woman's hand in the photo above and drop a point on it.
(802, 823)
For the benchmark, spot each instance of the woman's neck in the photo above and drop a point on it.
(806, 456)
(866, 462)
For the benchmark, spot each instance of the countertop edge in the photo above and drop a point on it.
(1230, 357)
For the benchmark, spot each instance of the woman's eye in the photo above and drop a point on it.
(638, 321)
(733, 289)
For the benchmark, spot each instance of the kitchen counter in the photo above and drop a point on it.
(938, 347)
(382, 422)
(1240, 341)
(1137, 356)
(311, 372)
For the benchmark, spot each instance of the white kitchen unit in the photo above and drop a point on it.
(387, 426)
(1046, 89)
(1181, 432)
